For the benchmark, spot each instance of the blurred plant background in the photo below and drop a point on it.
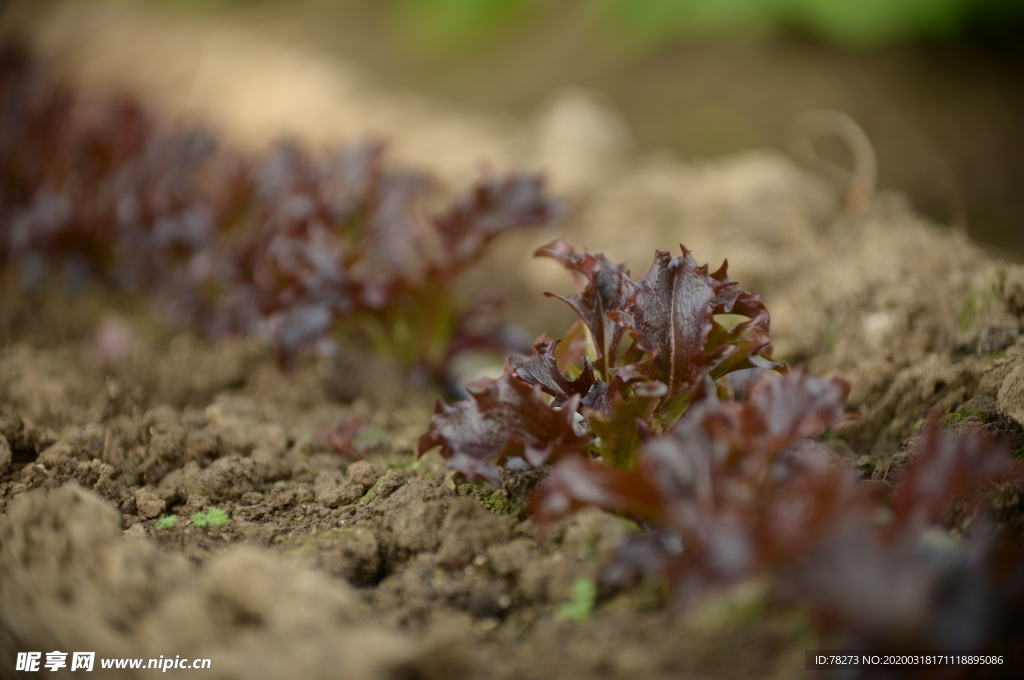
(643, 25)
(935, 84)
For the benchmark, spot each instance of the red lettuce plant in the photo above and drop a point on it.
(345, 239)
(653, 344)
(734, 490)
(654, 409)
(284, 246)
(94, 191)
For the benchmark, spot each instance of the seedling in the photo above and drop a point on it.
(164, 523)
(215, 517)
(581, 606)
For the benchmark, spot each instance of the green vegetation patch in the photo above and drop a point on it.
(951, 419)
(166, 523)
(581, 606)
(215, 517)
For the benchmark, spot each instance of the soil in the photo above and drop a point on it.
(388, 567)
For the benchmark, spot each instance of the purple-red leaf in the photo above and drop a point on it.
(673, 313)
(945, 467)
(739, 348)
(608, 289)
(491, 207)
(718, 476)
(576, 482)
(782, 410)
(542, 369)
(503, 419)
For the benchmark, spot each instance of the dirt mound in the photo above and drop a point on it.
(71, 581)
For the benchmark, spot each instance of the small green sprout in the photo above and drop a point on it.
(584, 597)
(214, 517)
(166, 523)
(951, 419)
